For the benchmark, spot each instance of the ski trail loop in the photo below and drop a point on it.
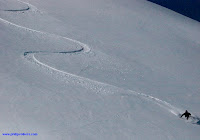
(83, 81)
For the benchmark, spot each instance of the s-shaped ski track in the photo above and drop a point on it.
(99, 87)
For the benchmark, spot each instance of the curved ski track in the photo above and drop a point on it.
(99, 87)
(29, 6)
(25, 9)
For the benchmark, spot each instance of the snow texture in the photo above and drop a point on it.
(97, 69)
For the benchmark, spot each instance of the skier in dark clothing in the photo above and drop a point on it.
(186, 114)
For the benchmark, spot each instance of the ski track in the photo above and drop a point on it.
(97, 86)
(19, 10)
(30, 6)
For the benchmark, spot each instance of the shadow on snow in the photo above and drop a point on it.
(18, 10)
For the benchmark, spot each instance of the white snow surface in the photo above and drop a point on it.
(98, 70)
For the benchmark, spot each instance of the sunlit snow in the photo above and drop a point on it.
(98, 70)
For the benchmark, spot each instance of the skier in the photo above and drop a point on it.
(186, 114)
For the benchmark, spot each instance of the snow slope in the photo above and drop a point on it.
(97, 69)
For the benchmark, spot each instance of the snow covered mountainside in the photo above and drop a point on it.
(98, 69)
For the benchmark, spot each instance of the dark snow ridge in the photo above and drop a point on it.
(62, 52)
(18, 10)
